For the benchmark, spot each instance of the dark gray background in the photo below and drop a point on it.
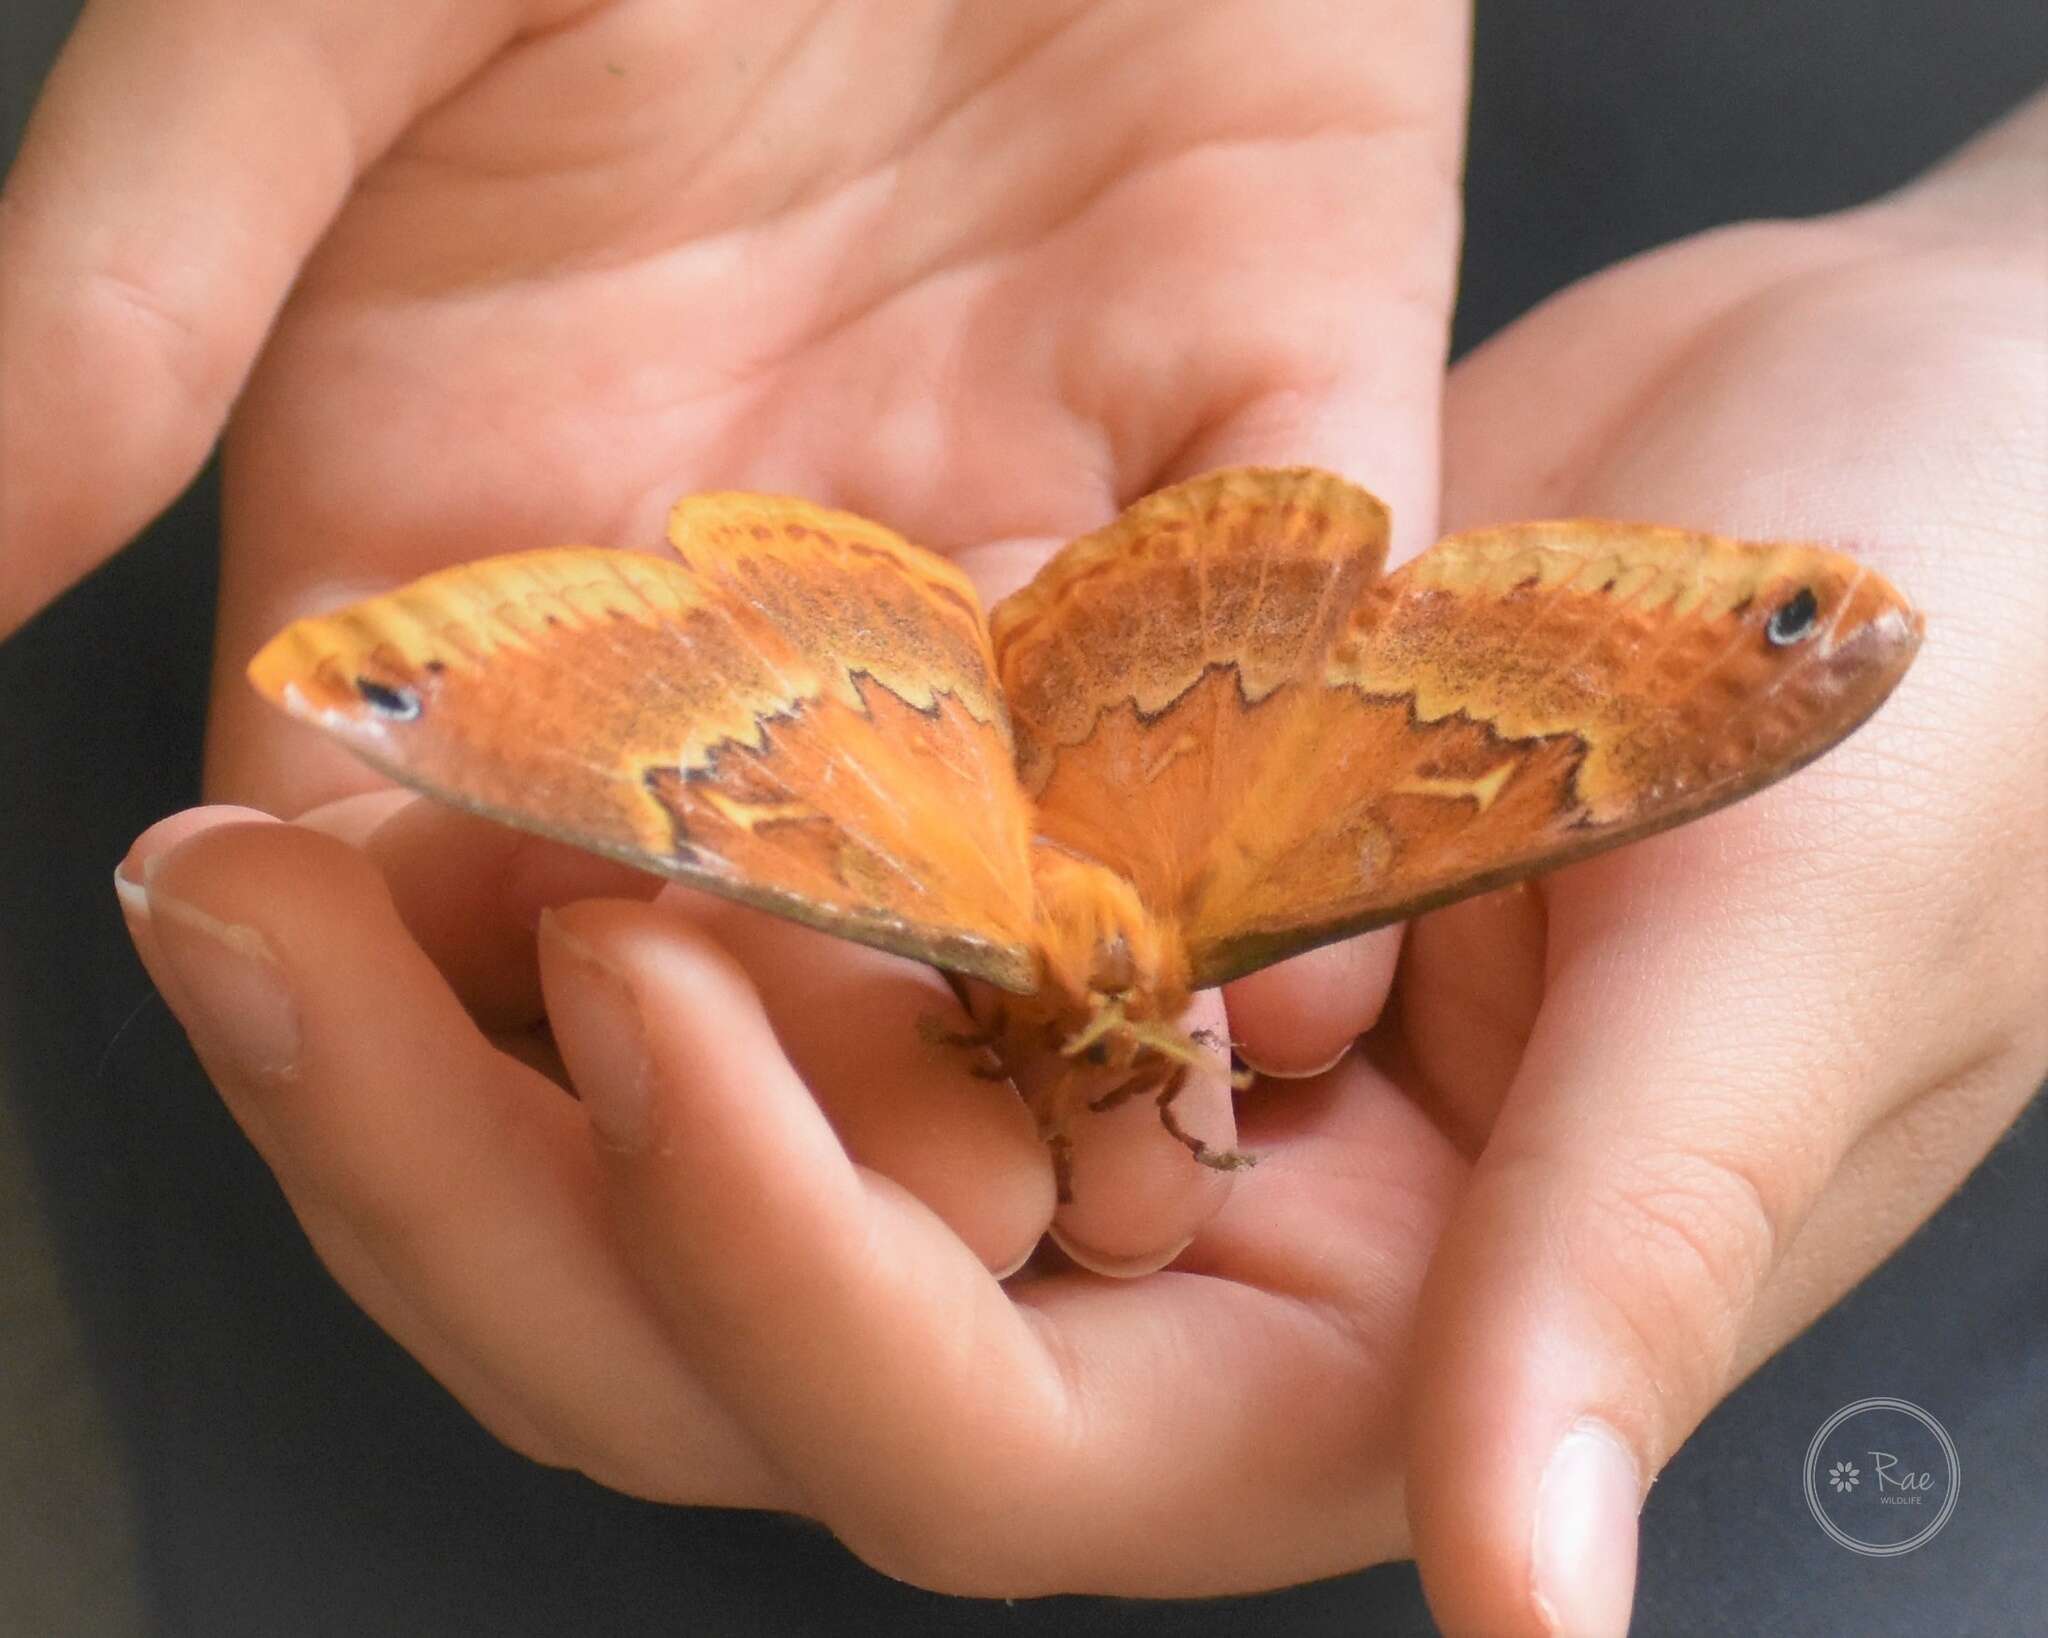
(199, 1435)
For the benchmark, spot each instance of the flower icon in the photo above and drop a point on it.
(1843, 1476)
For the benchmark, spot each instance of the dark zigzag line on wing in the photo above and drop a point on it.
(759, 761)
(747, 641)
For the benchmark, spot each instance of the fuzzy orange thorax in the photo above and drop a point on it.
(1098, 944)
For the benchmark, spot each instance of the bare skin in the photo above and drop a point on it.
(753, 1266)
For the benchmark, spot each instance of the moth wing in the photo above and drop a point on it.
(1147, 664)
(798, 711)
(1512, 700)
(1519, 698)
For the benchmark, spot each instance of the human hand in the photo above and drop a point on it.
(545, 266)
(1714, 1079)
(986, 326)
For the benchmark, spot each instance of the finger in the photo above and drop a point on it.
(1470, 984)
(354, 819)
(1138, 1192)
(1347, 372)
(1299, 1018)
(459, 1180)
(857, 1026)
(332, 1237)
(182, 162)
(1713, 1040)
(946, 1435)
(1378, 429)
(766, 1247)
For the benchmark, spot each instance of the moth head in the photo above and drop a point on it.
(1098, 942)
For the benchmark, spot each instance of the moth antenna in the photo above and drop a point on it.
(1108, 1019)
(1171, 1043)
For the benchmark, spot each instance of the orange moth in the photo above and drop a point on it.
(1209, 736)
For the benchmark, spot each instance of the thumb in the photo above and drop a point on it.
(1597, 1292)
(184, 159)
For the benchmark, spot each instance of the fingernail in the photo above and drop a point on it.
(230, 978)
(1583, 1551)
(133, 895)
(1017, 1264)
(132, 877)
(607, 1052)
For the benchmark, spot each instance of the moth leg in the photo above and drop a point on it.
(1221, 1160)
(935, 1029)
(1051, 1109)
(1062, 1148)
(983, 1041)
(1117, 1096)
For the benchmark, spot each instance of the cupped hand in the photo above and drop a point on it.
(504, 276)
(1713, 1079)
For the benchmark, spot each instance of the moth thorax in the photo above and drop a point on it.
(1098, 941)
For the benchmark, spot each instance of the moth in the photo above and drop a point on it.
(1203, 739)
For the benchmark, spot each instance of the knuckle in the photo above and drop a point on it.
(134, 307)
(1677, 1245)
